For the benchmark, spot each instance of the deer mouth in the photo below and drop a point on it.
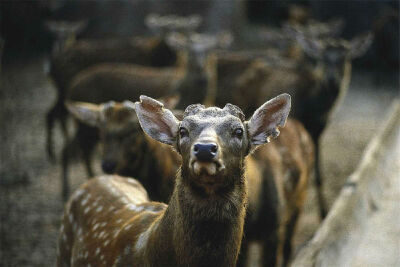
(206, 168)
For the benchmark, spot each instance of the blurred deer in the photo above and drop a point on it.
(203, 223)
(192, 79)
(277, 174)
(316, 89)
(280, 50)
(66, 63)
(65, 32)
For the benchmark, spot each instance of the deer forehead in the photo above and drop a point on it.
(216, 118)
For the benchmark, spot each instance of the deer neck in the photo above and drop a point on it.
(203, 231)
(197, 83)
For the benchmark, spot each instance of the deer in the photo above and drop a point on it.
(317, 89)
(65, 32)
(191, 79)
(279, 171)
(110, 220)
(279, 49)
(74, 57)
(126, 150)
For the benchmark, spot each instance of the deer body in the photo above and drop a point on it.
(276, 174)
(86, 53)
(316, 89)
(203, 223)
(114, 224)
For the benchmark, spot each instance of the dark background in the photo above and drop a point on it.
(22, 21)
(30, 198)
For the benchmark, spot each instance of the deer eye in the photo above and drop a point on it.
(183, 132)
(238, 133)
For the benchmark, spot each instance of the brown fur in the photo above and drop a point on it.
(86, 53)
(276, 173)
(121, 82)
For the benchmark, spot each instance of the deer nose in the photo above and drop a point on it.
(108, 166)
(205, 152)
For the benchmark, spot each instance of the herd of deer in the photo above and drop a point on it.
(224, 189)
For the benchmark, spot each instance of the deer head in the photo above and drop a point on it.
(213, 142)
(332, 54)
(120, 132)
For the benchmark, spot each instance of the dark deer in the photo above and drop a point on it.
(277, 174)
(203, 223)
(77, 56)
(316, 89)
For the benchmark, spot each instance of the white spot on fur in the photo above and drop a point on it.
(87, 209)
(135, 208)
(96, 226)
(116, 233)
(141, 243)
(106, 243)
(97, 251)
(100, 208)
(78, 193)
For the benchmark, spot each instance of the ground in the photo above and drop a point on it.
(30, 199)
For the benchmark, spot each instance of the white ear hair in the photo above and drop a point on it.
(88, 113)
(267, 119)
(129, 104)
(158, 122)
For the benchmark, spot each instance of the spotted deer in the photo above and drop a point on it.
(73, 58)
(317, 89)
(277, 174)
(191, 79)
(126, 150)
(110, 221)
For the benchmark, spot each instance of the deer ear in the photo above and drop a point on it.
(360, 44)
(266, 119)
(90, 114)
(177, 41)
(170, 101)
(310, 45)
(158, 122)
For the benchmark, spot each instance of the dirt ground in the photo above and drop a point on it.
(30, 199)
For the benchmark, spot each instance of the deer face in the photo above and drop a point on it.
(198, 46)
(121, 136)
(213, 142)
(119, 132)
(332, 54)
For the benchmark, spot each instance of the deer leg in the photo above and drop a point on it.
(270, 249)
(243, 255)
(290, 228)
(50, 118)
(318, 183)
(66, 155)
(87, 138)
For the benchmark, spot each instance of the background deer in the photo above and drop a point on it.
(316, 89)
(277, 174)
(66, 63)
(65, 32)
(126, 150)
(203, 223)
(192, 79)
